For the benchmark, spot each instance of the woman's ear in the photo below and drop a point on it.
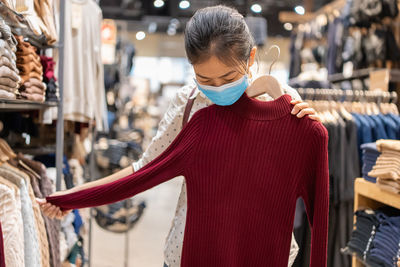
(252, 56)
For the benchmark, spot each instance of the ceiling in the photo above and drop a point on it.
(142, 13)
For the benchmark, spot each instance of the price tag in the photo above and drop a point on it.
(76, 16)
(348, 69)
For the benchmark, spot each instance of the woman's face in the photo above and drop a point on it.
(216, 73)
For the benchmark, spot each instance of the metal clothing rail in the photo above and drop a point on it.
(60, 110)
(347, 95)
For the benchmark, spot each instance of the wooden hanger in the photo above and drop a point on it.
(266, 83)
(27, 168)
(7, 149)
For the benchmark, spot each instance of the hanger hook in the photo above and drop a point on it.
(276, 59)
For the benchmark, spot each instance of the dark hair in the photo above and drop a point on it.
(218, 31)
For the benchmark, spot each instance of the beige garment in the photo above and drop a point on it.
(168, 129)
(8, 82)
(8, 89)
(84, 94)
(32, 82)
(9, 73)
(31, 239)
(44, 10)
(385, 174)
(383, 145)
(389, 182)
(12, 224)
(40, 226)
(34, 97)
(388, 188)
(9, 3)
(383, 159)
(4, 61)
(33, 90)
(391, 153)
(5, 94)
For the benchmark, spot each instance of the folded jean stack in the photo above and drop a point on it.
(387, 167)
(370, 155)
(9, 78)
(376, 237)
(49, 78)
(31, 72)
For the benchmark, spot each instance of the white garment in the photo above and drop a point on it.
(31, 241)
(12, 226)
(84, 93)
(168, 129)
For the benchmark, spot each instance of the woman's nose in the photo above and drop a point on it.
(218, 82)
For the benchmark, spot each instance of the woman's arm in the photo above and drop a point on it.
(54, 212)
(168, 129)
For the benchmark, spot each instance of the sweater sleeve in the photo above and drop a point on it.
(169, 164)
(315, 193)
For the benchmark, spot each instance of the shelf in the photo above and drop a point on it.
(369, 195)
(20, 105)
(36, 151)
(363, 74)
(357, 74)
(371, 191)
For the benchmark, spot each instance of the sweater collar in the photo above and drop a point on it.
(262, 110)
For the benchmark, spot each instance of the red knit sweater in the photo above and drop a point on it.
(245, 165)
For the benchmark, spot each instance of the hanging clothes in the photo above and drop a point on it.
(12, 224)
(84, 93)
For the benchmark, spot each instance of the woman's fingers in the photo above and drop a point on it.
(306, 111)
(315, 117)
(41, 201)
(298, 107)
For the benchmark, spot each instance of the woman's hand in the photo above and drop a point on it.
(301, 109)
(50, 210)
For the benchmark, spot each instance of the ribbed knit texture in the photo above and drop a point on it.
(241, 193)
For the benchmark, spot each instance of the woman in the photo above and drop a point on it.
(221, 49)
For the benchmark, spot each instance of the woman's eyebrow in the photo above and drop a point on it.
(226, 74)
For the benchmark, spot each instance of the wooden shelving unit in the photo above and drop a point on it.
(368, 195)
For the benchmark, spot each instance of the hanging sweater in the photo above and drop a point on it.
(241, 193)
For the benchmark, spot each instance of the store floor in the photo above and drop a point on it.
(147, 238)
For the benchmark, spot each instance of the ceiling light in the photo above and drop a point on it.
(184, 4)
(299, 10)
(288, 26)
(158, 3)
(256, 8)
(140, 35)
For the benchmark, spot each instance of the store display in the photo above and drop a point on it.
(369, 156)
(376, 237)
(31, 72)
(386, 170)
(83, 72)
(350, 124)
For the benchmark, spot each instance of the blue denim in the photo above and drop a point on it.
(165, 265)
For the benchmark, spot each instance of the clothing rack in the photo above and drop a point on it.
(348, 95)
(20, 26)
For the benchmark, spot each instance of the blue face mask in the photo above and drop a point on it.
(226, 94)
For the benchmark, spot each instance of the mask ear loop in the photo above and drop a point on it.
(275, 59)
